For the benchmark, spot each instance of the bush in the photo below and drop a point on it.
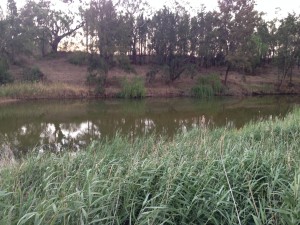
(78, 58)
(98, 80)
(5, 76)
(98, 63)
(150, 75)
(33, 74)
(208, 86)
(123, 63)
(133, 89)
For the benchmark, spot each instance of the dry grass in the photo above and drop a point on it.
(42, 90)
(59, 70)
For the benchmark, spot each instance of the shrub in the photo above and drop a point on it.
(133, 89)
(33, 74)
(97, 63)
(150, 75)
(78, 58)
(208, 86)
(123, 63)
(98, 80)
(5, 76)
(191, 70)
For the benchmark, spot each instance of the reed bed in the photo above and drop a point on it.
(204, 176)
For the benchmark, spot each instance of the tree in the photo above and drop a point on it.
(237, 22)
(137, 25)
(47, 25)
(288, 37)
(102, 20)
(12, 36)
(164, 35)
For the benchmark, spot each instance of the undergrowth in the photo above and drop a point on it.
(208, 86)
(133, 88)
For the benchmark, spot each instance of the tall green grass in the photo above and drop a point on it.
(220, 176)
(134, 88)
(207, 86)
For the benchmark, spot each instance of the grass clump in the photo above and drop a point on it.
(78, 58)
(221, 176)
(208, 86)
(133, 88)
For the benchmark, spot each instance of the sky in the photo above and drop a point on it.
(271, 7)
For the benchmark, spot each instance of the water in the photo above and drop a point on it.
(54, 125)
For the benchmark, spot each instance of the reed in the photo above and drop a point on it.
(134, 88)
(218, 176)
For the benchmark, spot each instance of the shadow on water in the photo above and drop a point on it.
(54, 125)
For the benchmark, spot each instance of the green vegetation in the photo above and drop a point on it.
(221, 176)
(208, 86)
(123, 63)
(33, 74)
(78, 58)
(133, 88)
(97, 79)
(5, 76)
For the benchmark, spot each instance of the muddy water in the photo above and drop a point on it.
(54, 125)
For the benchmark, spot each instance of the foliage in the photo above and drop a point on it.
(97, 79)
(174, 68)
(123, 62)
(239, 20)
(150, 75)
(221, 176)
(5, 76)
(208, 86)
(78, 58)
(96, 62)
(33, 74)
(47, 26)
(289, 41)
(133, 88)
(97, 73)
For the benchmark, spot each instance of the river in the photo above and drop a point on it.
(56, 125)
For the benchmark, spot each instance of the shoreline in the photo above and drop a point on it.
(9, 100)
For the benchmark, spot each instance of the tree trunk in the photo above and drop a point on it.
(54, 45)
(226, 74)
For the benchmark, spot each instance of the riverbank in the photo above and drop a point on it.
(65, 80)
(204, 176)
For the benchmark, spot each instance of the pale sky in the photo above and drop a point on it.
(268, 6)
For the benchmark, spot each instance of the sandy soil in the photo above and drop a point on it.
(58, 70)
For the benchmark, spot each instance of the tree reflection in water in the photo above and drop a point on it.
(55, 126)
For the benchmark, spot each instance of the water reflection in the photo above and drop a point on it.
(54, 126)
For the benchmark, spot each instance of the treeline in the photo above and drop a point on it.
(235, 35)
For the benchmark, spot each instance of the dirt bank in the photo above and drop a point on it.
(59, 70)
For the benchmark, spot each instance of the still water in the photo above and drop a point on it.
(54, 125)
